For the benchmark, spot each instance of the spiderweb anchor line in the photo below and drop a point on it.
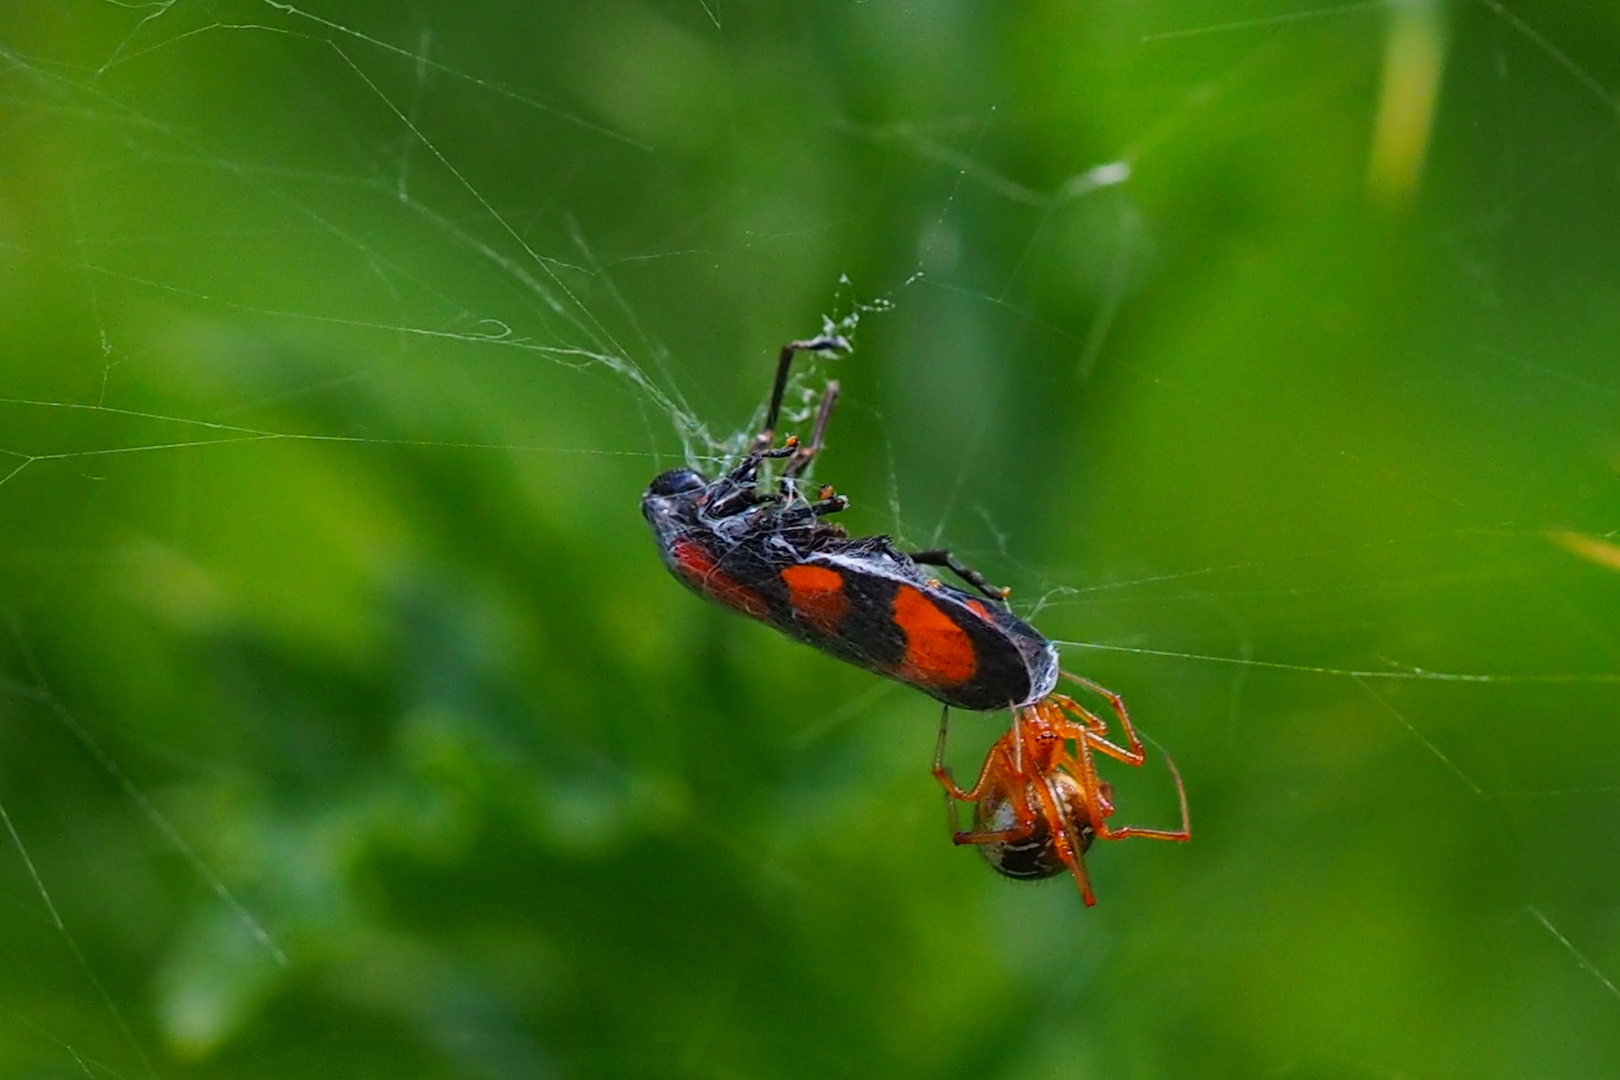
(1578, 956)
(1412, 674)
(41, 694)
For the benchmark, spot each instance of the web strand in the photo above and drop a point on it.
(1412, 674)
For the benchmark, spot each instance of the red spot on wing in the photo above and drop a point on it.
(699, 568)
(694, 562)
(817, 596)
(938, 652)
(980, 610)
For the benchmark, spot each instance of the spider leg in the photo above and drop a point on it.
(994, 764)
(1181, 835)
(942, 557)
(1081, 723)
(1068, 845)
(942, 771)
(1089, 736)
(1017, 737)
(784, 361)
(1136, 754)
(1086, 776)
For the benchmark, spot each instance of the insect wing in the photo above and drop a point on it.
(946, 643)
(726, 580)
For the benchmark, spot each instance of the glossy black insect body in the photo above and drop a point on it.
(769, 554)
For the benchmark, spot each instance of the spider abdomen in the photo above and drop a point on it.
(1031, 851)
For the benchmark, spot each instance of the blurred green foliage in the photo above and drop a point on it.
(350, 726)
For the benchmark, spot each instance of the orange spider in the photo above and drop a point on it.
(1038, 803)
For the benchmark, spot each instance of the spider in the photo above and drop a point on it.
(768, 553)
(1038, 803)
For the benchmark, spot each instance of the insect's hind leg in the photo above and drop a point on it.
(803, 455)
(942, 557)
(784, 362)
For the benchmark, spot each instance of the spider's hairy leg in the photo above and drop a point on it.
(1083, 724)
(1069, 847)
(996, 764)
(1089, 736)
(942, 771)
(1137, 753)
(1180, 836)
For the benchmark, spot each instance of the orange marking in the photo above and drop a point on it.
(817, 596)
(700, 569)
(980, 610)
(938, 652)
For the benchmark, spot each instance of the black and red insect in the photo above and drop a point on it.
(765, 550)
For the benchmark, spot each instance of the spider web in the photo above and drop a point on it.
(340, 341)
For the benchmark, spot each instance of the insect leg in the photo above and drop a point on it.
(942, 557)
(804, 454)
(825, 342)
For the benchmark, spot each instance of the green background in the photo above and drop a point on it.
(349, 725)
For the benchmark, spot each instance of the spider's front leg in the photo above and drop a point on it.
(1135, 756)
(997, 765)
(1088, 736)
